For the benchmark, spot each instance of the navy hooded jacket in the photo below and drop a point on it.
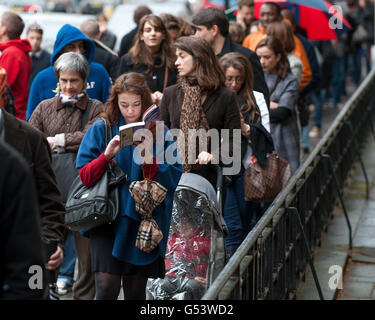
(45, 83)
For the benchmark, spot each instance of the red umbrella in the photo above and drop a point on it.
(320, 19)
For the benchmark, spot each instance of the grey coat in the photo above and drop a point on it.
(285, 134)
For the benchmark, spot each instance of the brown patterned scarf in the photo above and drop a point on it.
(192, 117)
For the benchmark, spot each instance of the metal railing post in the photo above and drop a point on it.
(295, 212)
(328, 157)
(371, 125)
(311, 190)
(360, 159)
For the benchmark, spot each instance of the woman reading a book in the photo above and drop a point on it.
(115, 256)
(152, 55)
(199, 100)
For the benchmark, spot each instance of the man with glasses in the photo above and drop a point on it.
(40, 58)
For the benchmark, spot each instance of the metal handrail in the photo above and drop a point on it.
(288, 194)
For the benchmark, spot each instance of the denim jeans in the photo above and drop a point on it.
(305, 137)
(239, 214)
(338, 80)
(66, 271)
(354, 66)
(318, 98)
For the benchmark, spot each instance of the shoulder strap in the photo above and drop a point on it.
(275, 87)
(165, 76)
(108, 132)
(85, 116)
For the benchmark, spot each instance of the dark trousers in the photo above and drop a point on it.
(84, 287)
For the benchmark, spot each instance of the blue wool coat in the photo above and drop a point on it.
(127, 223)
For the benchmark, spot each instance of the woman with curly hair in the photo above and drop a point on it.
(115, 256)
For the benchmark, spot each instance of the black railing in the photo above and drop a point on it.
(272, 260)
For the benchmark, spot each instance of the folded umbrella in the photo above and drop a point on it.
(147, 194)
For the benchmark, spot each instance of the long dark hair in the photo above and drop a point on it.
(274, 44)
(209, 74)
(139, 53)
(239, 62)
(131, 82)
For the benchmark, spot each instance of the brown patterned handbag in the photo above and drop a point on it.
(264, 184)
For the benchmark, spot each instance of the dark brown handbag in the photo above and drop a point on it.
(264, 184)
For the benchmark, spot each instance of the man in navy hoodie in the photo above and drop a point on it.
(69, 39)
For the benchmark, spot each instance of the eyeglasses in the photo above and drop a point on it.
(233, 79)
(173, 27)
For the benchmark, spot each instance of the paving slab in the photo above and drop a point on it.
(359, 280)
(358, 289)
(364, 241)
(363, 271)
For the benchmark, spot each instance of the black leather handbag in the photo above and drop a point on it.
(87, 208)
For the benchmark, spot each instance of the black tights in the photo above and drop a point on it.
(108, 286)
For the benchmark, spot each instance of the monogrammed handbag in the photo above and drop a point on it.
(263, 184)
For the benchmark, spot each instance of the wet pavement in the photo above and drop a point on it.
(346, 274)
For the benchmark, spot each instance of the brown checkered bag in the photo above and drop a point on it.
(264, 184)
(149, 235)
(147, 195)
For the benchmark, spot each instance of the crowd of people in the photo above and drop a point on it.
(257, 77)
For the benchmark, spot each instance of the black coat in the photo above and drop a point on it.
(39, 64)
(109, 39)
(154, 81)
(259, 82)
(220, 108)
(127, 42)
(34, 148)
(109, 61)
(20, 241)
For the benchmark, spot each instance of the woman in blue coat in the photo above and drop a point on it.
(115, 256)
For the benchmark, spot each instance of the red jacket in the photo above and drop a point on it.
(16, 61)
(190, 254)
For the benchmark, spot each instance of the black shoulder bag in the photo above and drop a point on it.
(64, 164)
(87, 208)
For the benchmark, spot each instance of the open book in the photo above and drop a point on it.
(127, 131)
